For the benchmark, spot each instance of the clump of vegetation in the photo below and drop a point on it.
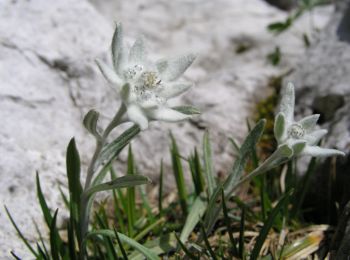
(253, 212)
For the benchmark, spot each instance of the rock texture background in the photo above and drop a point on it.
(48, 80)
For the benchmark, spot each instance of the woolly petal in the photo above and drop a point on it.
(172, 69)
(109, 73)
(174, 89)
(279, 127)
(298, 147)
(317, 151)
(150, 103)
(136, 115)
(166, 114)
(309, 122)
(314, 137)
(161, 65)
(287, 102)
(118, 52)
(137, 53)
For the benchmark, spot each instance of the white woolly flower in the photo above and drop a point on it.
(144, 86)
(301, 137)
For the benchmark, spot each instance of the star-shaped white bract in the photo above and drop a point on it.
(144, 86)
(302, 136)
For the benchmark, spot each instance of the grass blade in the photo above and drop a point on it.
(44, 208)
(241, 250)
(130, 195)
(178, 174)
(20, 234)
(208, 164)
(164, 244)
(196, 213)
(146, 204)
(120, 244)
(268, 224)
(54, 238)
(185, 249)
(228, 224)
(301, 192)
(160, 191)
(233, 178)
(126, 181)
(131, 242)
(74, 185)
(206, 241)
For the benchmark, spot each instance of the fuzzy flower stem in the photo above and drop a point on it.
(100, 143)
(84, 211)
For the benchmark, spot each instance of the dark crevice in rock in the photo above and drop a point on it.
(27, 103)
(343, 30)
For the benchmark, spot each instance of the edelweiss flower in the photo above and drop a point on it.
(301, 137)
(144, 86)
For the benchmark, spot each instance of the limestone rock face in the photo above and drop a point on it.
(49, 81)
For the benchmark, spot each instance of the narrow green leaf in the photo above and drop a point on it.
(206, 241)
(131, 242)
(120, 244)
(149, 228)
(90, 123)
(164, 244)
(44, 208)
(54, 238)
(41, 252)
(302, 188)
(268, 224)
(112, 150)
(64, 197)
(146, 204)
(234, 144)
(195, 214)
(73, 173)
(46, 253)
(234, 176)
(102, 220)
(118, 213)
(196, 173)
(17, 257)
(241, 250)
(208, 164)
(228, 224)
(178, 174)
(185, 249)
(20, 234)
(187, 110)
(160, 191)
(130, 195)
(121, 182)
(71, 240)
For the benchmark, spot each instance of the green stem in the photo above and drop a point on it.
(84, 204)
(100, 143)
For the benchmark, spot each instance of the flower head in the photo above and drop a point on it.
(301, 137)
(145, 87)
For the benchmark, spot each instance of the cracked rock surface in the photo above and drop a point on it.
(48, 81)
